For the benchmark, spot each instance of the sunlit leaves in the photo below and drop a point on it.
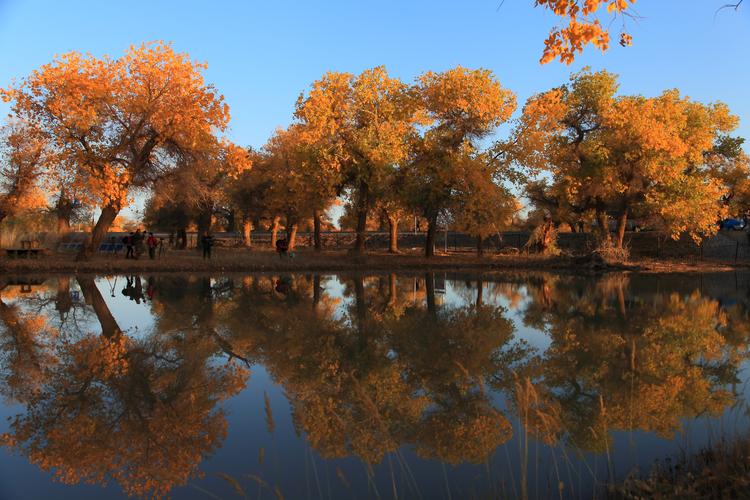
(583, 27)
(119, 124)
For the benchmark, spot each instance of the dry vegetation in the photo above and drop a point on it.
(236, 259)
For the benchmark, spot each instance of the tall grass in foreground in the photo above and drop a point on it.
(718, 471)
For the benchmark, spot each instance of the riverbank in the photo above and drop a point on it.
(256, 260)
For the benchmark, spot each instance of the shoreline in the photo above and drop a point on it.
(241, 260)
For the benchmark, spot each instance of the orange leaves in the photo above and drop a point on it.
(118, 123)
(583, 27)
(472, 100)
(626, 154)
(236, 160)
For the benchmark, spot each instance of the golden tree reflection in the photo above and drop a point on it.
(624, 361)
(387, 363)
(141, 412)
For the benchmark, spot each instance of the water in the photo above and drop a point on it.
(325, 386)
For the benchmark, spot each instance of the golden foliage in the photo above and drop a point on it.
(583, 27)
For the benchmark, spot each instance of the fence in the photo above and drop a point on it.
(726, 246)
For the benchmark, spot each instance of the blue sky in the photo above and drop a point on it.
(261, 55)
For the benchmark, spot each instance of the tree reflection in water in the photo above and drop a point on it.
(387, 364)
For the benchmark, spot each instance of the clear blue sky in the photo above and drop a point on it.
(261, 55)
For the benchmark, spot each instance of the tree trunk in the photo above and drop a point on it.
(291, 235)
(429, 246)
(182, 238)
(275, 230)
(231, 221)
(63, 211)
(316, 291)
(480, 293)
(316, 231)
(361, 310)
(63, 302)
(393, 234)
(363, 207)
(247, 228)
(603, 222)
(429, 281)
(106, 218)
(622, 221)
(204, 221)
(480, 246)
(92, 296)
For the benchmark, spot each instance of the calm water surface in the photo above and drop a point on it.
(345, 386)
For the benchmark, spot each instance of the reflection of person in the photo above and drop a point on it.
(151, 288)
(133, 288)
(128, 290)
(207, 242)
(137, 289)
(283, 285)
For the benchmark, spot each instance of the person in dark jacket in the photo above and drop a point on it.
(207, 241)
(128, 240)
(282, 246)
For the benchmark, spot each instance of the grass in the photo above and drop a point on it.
(259, 260)
(236, 259)
(719, 471)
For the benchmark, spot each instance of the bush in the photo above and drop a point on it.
(543, 240)
(610, 253)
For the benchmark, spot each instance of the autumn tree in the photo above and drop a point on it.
(393, 208)
(23, 157)
(625, 156)
(559, 131)
(462, 106)
(168, 214)
(728, 163)
(249, 193)
(657, 147)
(199, 183)
(481, 207)
(363, 126)
(121, 123)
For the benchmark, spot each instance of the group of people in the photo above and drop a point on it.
(137, 242)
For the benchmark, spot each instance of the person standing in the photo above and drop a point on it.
(151, 243)
(128, 240)
(207, 242)
(282, 247)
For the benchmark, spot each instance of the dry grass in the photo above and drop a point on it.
(260, 260)
(720, 471)
(235, 259)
